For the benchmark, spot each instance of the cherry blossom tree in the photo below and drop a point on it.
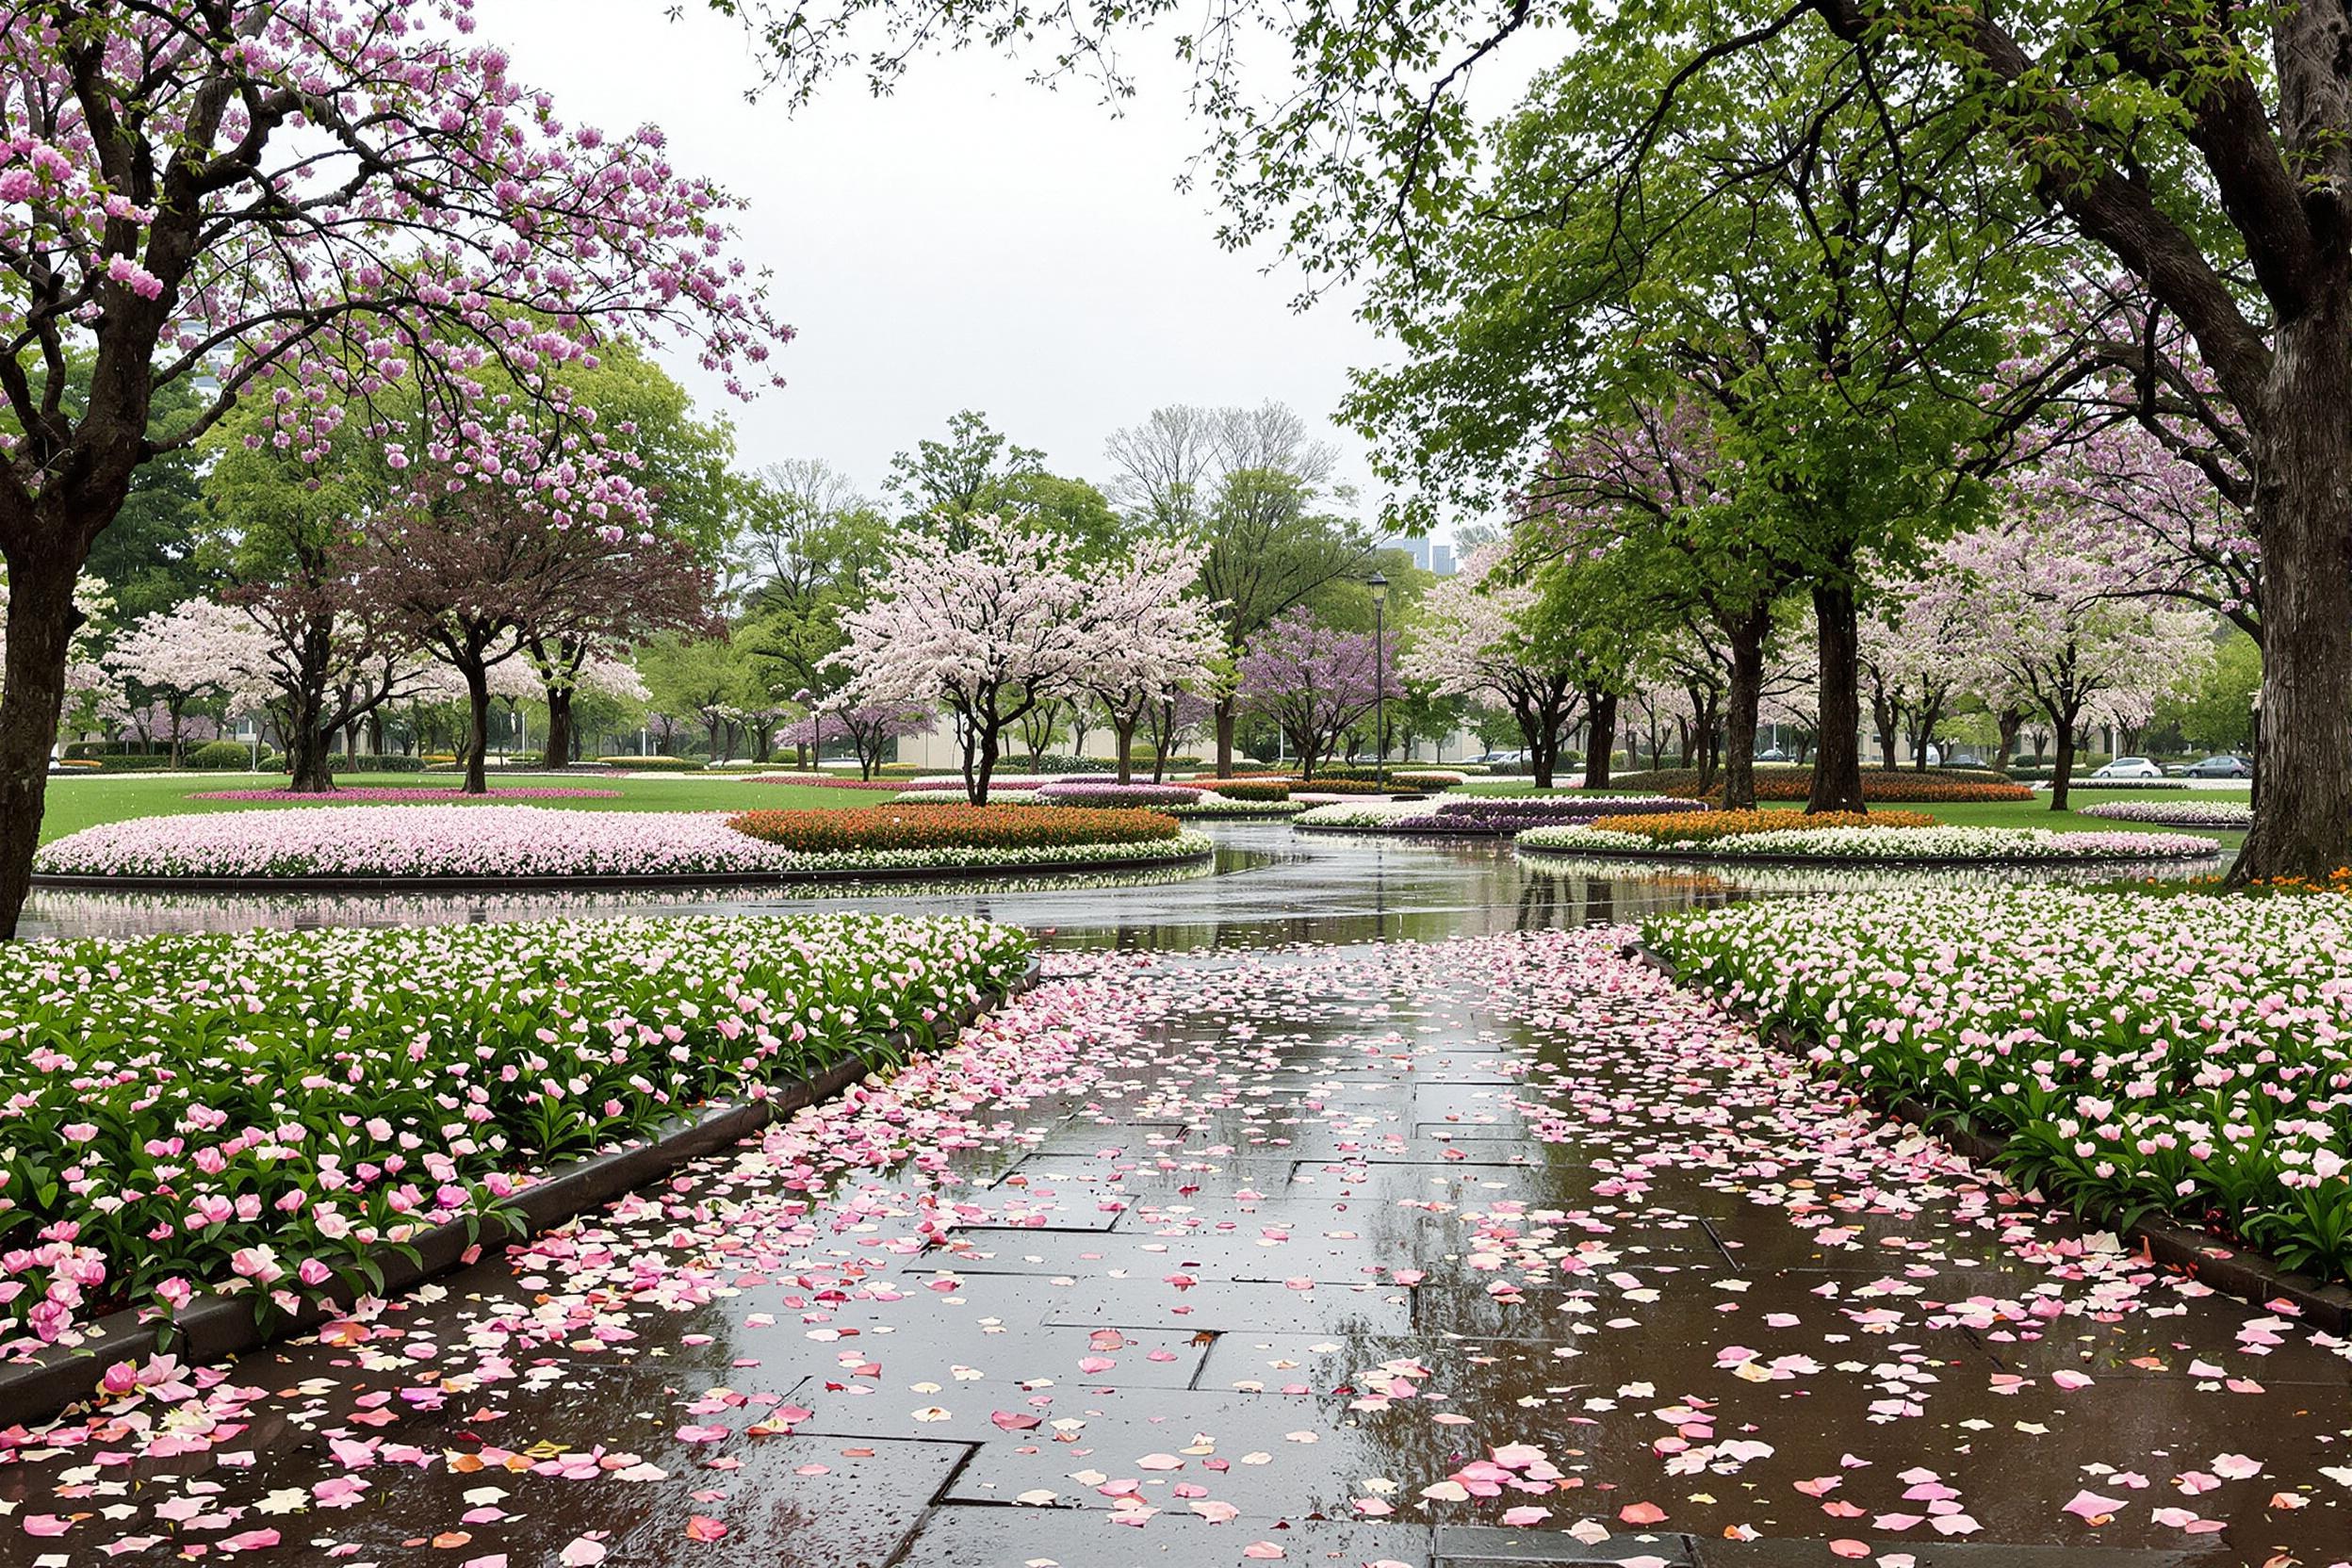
(2058, 627)
(1170, 647)
(1013, 620)
(308, 203)
(1479, 636)
(1312, 682)
(196, 652)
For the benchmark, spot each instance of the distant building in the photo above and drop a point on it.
(1430, 556)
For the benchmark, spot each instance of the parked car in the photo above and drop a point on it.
(1504, 758)
(2219, 767)
(2130, 767)
(1775, 754)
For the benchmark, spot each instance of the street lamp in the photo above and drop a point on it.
(816, 729)
(1378, 582)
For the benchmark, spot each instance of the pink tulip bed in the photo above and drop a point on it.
(491, 842)
(259, 1112)
(364, 796)
(2185, 1055)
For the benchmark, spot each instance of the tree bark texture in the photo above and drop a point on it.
(41, 622)
(1837, 752)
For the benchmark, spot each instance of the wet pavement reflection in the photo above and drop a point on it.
(1488, 1251)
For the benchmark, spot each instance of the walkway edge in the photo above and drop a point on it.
(2248, 1275)
(214, 1327)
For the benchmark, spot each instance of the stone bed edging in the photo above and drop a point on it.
(82, 882)
(214, 1327)
(2241, 1272)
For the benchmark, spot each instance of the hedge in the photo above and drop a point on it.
(651, 764)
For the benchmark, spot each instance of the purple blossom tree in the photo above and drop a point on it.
(870, 729)
(311, 204)
(1313, 682)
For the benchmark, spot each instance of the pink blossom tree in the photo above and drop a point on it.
(1312, 682)
(2060, 628)
(869, 728)
(309, 203)
(1481, 636)
(1170, 647)
(195, 653)
(1011, 621)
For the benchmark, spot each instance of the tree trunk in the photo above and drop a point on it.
(2010, 721)
(1838, 758)
(1882, 717)
(1746, 696)
(1123, 731)
(309, 772)
(2062, 773)
(476, 728)
(41, 627)
(1601, 736)
(559, 739)
(1225, 735)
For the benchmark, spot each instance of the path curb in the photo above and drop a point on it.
(2234, 1272)
(213, 1326)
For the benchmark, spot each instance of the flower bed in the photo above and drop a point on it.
(1361, 813)
(261, 1112)
(954, 826)
(2182, 1055)
(1896, 786)
(1216, 806)
(1702, 827)
(828, 781)
(2122, 784)
(999, 795)
(1252, 789)
(362, 794)
(1070, 792)
(2225, 814)
(1428, 778)
(1483, 815)
(1885, 845)
(494, 843)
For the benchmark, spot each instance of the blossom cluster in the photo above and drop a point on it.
(258, 1112)
(2222, 814)
(2183, 1055)
(1938, 845)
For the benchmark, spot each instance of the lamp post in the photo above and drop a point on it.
(816, 730)
(1378, 582)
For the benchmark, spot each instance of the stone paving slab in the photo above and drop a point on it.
(972, 1536)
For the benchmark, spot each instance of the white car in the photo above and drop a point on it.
(2130, 767)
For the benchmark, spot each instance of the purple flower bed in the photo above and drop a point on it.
(1548, 808)
(393, 795)
(1071, 792)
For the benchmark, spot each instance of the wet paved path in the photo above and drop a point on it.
(1463, 1253)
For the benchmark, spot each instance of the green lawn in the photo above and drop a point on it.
(78, 803)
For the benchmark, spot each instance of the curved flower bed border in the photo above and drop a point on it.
(1185, 850)
(1482, 817)
(2224, 816)
(2248, 1275)
(214, 1327)
(1942, 848)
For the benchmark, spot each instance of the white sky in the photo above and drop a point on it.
(972, 241)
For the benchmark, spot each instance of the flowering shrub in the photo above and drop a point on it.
(1896, 785)
(2178, 813)
(946, 825)
(262, 1112)
(362, 794)
(2141, 1054)
(1068, 793)
(1921, 844)
(494, 841)
(1707, 827)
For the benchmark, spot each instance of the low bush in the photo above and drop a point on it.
(134, 762)
(220, 756)
(952, 826)
(1439, 780)
(1936, 786)
(373, 761)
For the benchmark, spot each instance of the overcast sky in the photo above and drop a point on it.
(970, 242)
